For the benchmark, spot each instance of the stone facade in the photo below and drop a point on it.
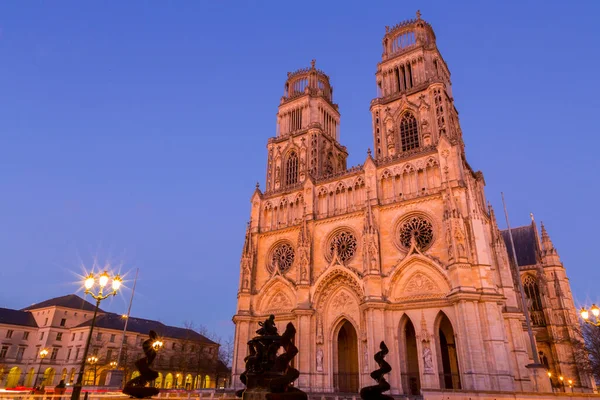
(402, 248)
(62, 325)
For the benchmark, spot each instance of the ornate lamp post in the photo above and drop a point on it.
(43, 353)
(101, 281)
(585, 314)
(92, 360)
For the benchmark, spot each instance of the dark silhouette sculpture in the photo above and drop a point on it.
(267, 375)
(136, 387)
(376, 392)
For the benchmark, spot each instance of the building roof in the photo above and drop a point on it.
(143, 326)
(17, 317)
(69, 301)
(526, 245)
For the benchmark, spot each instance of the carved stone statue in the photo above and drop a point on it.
(320, 360)
(391, 141)
(245, 280)
(376, 392)
(427, 360)
(269, 376)
(136, 387)
(319, 330)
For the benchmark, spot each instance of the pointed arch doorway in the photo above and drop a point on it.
(447, 355)
(345, 378)
(409, 358)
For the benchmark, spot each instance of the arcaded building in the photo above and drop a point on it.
(403, 248)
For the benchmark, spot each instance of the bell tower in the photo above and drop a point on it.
(414, 107)
(308, 124)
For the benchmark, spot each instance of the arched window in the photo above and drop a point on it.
(409, 134)
(532, 292)
(291, 173)
(534, 301)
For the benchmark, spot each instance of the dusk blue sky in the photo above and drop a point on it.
(135, 131)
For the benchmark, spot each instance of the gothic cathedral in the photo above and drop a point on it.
(403, 248)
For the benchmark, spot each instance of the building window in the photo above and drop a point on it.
(3, 351)
(25, 335)
(20, 353)
(532, 292)
(63, 322)
(46, 322)
(534, 301)
(108, 354)
(54, 353)
(80, 335)
(112, 338)
(69, 354)
(76, 354)
(291, 174)
(9, 333)
(59, 336)
(409, 134)
(72, 337)
(41, 335)
(99, 336)
(173, 346)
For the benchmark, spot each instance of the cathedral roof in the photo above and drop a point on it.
(525, 244)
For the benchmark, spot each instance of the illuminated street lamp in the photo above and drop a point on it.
(90, 282)
(93, 360)
(585, 314)
(43, 353)
(113, 364)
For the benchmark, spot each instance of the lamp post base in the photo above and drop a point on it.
(76, 391)
(115, 378)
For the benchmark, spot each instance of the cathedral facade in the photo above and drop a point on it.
(403, 248)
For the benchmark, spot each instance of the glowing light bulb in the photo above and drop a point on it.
(104, 279)
(595, 310)
(584, 313)
(89, 281)
(549, 374)
(561, 378)
(43, 353)
(116, 283)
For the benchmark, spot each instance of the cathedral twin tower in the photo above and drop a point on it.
(402, 248)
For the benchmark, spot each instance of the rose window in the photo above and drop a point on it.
(344, 243)
(419, 228)
(283, 257)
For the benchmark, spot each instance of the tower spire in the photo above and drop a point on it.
(549, 254)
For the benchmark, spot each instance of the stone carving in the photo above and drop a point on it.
(420, 283)
(343, 244)
(279, 302)
(425, 339)
(459, 236)
(365, 359)
(419, 228)
(340, 302)
(282, 257)
(427, 359)
(245, 279)
(319, 330)
(267, 375)
(320, 360)
(136, 387)
(376, 392)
